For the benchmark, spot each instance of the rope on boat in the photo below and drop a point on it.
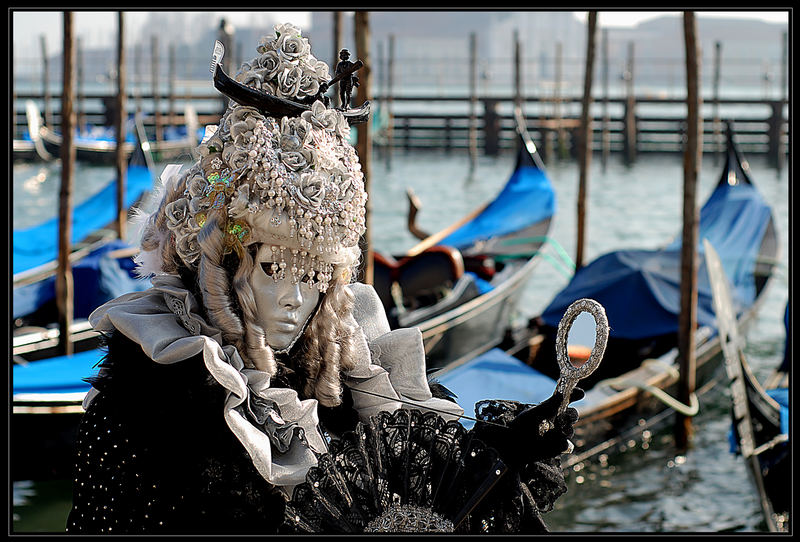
(566, 261)
(689, 410)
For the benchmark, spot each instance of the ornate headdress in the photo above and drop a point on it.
(292, 182)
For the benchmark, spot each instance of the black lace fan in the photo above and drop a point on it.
(407, 471)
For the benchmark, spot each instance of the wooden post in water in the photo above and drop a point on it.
(48, 116)
(154, 84)
(518, 102)
(137, 70)
(364, 143)
(605, 137)
(784, 88)
(172, 68)
(473, 100)
(120, 161)
(561, 144)
(719, 145)
(64, 285)
(692, 158)
(79, 84)
(381, 86)
(585, 153)
(630, 111)
(390, 103)
(338, 43)
(517, 70)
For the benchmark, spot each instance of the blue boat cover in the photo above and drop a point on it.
(97, 278)
(527, 198)
(781, 395)
(104, 134)
(496, 375)
(62, 374)
(38, 245)
(640, 289)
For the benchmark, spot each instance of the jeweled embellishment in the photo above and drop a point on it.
(237, 234)
(219, 188)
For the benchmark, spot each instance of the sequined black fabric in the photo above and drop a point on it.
(154, 455)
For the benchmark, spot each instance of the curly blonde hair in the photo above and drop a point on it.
(327, 345)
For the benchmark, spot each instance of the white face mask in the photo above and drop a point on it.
(283, 307)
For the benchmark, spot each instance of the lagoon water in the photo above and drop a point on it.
(644, 487)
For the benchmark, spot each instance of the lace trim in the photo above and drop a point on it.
(403, 518)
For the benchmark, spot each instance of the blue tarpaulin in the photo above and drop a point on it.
(97, 278)
(62, 374)
(38, 245)
(640, 289)
(496, 375)
(527, 198)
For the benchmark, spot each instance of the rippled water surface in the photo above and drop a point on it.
(647, 487)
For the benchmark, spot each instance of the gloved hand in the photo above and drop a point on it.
(519, 443)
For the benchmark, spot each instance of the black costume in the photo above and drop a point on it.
(155, 456)
(181, 435)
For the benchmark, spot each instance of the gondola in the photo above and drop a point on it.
(461, 285)
(97, 144)
(634, 388)
(759, 412)
(99, 269)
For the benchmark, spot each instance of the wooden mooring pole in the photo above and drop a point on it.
(64, 284)
(137, 73)
(48, 116)
(585, 153)
(605, 138)
(692, 158)
(154, 84)
(364, 142)
(517, 70)
(784, 88)
(473, 100)
(172, 75)
(630, 111)
(390, 103)
(79, 85)
(119, 121)
(561, 143)
(719, 144)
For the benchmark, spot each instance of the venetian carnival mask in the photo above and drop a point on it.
(284, 303)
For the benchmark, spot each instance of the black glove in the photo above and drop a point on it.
(519, 443)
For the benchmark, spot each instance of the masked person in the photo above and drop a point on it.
(254, 352)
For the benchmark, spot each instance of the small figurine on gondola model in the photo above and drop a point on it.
(349, 80)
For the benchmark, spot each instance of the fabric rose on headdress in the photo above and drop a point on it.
(291, 46)
(311, 189)
(289, 82)
(268, 65)
(320, 116)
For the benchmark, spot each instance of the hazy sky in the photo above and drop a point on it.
(97, 28)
